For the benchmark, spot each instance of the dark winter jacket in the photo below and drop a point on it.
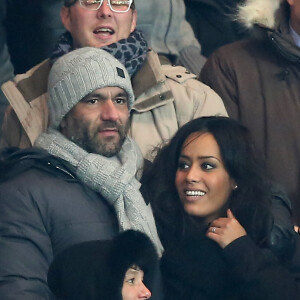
(198, 269)
(258, 80)
(43, 210)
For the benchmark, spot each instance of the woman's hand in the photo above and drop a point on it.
(225, 230)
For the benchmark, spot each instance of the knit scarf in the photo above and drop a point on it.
(131, 52)
(113, 177)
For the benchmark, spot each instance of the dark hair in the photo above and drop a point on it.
(69, 3)
(249, 202)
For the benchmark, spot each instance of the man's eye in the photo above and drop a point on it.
(92, 101)
(119, 2)
(120, 100)
(91, 2)
(207, 166)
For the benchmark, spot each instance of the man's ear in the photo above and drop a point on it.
(133, 21)
(65, 15)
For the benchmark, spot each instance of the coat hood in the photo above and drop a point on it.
(95, 270)
(259, 12)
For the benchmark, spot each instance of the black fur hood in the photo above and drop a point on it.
(95, 270)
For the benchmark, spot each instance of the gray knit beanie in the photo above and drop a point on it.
(80, 72)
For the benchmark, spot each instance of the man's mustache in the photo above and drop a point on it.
(110, 125)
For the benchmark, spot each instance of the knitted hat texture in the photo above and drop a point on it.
(80, 72)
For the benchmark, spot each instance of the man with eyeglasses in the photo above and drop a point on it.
(166, 96)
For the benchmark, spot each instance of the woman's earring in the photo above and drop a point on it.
(235, 187)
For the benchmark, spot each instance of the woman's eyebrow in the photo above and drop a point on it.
(201, 157)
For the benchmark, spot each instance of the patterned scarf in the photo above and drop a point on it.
(113, 177)
(131, 52)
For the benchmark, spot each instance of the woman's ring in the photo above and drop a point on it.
(213, 230)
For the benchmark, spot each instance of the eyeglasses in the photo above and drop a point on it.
(120, 6)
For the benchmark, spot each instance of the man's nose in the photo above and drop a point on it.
(144, 292)
(104, 9)
(109, 111)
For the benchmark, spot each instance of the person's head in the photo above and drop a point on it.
(202, 181)
(208, 166)
(89, 98)
(133, 285)
(124, 268)
(97, 23)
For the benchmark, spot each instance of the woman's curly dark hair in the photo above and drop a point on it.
(250, 202)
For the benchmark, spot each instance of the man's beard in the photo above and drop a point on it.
(86, 136)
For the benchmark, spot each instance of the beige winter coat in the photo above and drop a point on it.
(166, 98)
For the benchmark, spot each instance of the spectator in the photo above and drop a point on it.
(214, 23)
(258, 80)
(80, 183)
(211, 203)
(112, 270)
(166, 96)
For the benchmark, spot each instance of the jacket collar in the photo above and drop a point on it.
(149, 75)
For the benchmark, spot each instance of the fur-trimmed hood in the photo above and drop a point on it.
(95, 270)
(260, 12)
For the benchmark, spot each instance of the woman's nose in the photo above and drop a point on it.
(193, 174)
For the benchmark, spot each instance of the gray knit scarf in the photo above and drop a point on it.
(113, 177)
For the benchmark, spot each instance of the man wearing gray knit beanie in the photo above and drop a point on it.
(89, 98)
(80, 183)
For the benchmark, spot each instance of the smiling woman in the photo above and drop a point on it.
(212, 206)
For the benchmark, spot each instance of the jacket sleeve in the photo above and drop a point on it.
(282, 237)
(220, 76)
(24, 246)
(258, 273)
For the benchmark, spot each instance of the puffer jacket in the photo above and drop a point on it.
(167, 32)
(166, 98)
(43, 210)
(258, 80)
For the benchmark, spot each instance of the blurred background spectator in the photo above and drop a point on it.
(213, 23)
